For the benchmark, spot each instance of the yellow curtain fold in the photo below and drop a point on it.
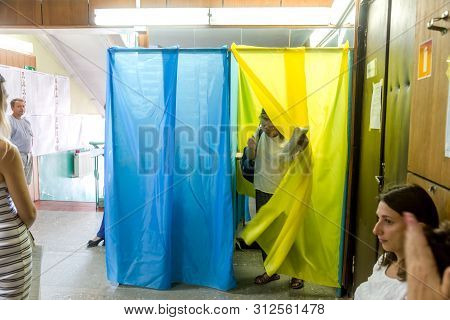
(300, 227)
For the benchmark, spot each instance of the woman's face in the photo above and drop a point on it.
(268, 128)
(390, 229)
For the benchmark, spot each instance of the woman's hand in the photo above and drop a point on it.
(303, 142)
(424, 282)
(251, 143)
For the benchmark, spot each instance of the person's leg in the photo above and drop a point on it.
(101, 231)
(100, 235)
(27, 166)
(261, 199)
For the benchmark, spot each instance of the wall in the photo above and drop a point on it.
(47, 62)
(56, 182)
(398, 99)
(369, 142)
(19, 60)
(427, 164)
(15, 59)
(55, 170)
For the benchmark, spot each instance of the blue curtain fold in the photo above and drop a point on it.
(168, 190)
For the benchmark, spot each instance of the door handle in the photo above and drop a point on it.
(431, 24)
(380, 180)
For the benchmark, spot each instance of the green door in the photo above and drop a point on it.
(365, 245)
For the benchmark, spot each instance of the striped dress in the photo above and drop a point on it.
(15, 251)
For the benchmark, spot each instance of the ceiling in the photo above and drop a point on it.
(83, 51)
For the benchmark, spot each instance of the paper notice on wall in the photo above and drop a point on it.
(43, 134)
(75, 131)
(372, 68)
(447, 127)
(62, 93)
(92, 129)
(68, 132)
(39, 93)
(375, 106)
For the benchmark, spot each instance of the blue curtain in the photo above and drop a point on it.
(168, 191)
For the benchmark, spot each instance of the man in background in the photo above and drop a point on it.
(22, 135)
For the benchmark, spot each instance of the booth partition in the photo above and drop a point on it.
(171, 178)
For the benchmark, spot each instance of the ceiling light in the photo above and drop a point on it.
(273, 16)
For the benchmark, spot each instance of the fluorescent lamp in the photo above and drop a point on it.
(152, 17)
(140, 29)
(12, 44)
(273, 16)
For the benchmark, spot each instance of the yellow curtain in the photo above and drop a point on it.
(300, 227)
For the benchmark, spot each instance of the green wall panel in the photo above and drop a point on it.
(401, 61)
(370, 145)
(56, 182)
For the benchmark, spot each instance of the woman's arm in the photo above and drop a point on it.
(298, 143)
(12, 169)
(252, 144)
(424, 280)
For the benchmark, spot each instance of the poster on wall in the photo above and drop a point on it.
(68, 132)
(375, 106)
(447, 127)
(92, 129)
(43, 134)
(371, 69)
(425, 60)
(39, 93)
(48, 100)
(62, 94)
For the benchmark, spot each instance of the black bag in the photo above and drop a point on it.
(247, 165)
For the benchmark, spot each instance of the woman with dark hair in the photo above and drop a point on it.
(388, 280)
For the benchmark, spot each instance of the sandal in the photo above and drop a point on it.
(265, 278)
(297, 283)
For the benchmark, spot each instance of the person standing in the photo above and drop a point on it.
(22, 135)
(272, 154)
(17, 214)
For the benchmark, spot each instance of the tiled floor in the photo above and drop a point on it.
(65, 269)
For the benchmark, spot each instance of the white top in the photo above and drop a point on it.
(380, 287)
(273, 157)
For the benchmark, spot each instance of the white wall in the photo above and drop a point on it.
(47, 62)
